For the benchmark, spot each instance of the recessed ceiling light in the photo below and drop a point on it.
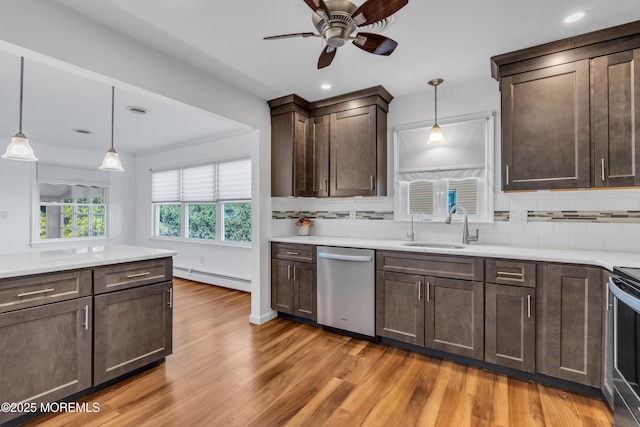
(83, 131)
(325, 86)
(137, 110)
(575, 17)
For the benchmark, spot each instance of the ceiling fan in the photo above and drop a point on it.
(337, 21)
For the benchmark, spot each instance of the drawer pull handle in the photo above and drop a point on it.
(428, 291)
(506, 173)
(419, 290)
(289, 272)
(42, 291)
(131, 276)
(293, 253)
(602, 169)
(509, 275)
(170, 297)
(529, 306)
(86, 317)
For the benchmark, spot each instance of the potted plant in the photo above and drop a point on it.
(303, 225)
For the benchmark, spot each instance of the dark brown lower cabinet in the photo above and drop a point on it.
(455, 316)
(510, 326)
(400, 307)
(294, 288)
(133, 328)
(45, 353)
(573, 323)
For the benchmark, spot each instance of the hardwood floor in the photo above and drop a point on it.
(225, 371)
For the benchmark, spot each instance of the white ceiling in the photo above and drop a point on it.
(453, 40)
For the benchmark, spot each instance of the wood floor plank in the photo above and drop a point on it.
(227, 372)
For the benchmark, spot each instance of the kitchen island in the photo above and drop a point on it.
(72, 320)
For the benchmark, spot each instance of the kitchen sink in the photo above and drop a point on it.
(438, 245)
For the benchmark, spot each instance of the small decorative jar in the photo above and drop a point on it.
(303, 225)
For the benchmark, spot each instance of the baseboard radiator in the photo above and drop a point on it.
(190, 271)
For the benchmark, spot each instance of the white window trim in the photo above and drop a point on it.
(485, 185)
(72, 241)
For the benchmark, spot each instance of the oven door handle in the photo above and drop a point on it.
(629, 300)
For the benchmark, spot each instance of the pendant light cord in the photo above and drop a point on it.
(112, 112)
(21, 90)
(436, 106)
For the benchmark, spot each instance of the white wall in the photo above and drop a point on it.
(220, 260)
(461, 99)
(17, 183)
(58, 33)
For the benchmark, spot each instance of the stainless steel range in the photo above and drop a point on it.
(624, 285)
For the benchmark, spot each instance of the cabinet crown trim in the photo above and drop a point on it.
(589, 42)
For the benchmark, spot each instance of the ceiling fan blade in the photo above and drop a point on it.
(327, 55)
(288, 36)
(375, 43)
(376, 10)
(312, 4)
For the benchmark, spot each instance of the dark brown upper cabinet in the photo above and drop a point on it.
(571, 112)
(336, 147)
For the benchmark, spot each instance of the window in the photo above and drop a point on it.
(430, 179)
(208, 202)
(72, 203)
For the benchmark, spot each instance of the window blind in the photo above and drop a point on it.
(461, 156)
(466, 194)
(234, 180)
(57, 175)
(199, 184)
(208, 183)
(165, 186)
(421, 197)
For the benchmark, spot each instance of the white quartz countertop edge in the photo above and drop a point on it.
(605, 259)
(47, 261)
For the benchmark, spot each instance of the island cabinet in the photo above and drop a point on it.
(572, 324)
(45, 337)
(133, 309)
(334, 147)
(571, 111)
(510, 315)
(431, 300)
(293, 280)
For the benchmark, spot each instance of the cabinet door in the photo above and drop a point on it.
(132, 329)
(301, 157)
(319, 142)
(353, 152)
(45, 353)
(455, 316)
(616, 119)
(607, 343)
(305, 291)
(400, 307)
(282, 286)
(574, 323)
(289, 155)
(510, 331)
(545, 128)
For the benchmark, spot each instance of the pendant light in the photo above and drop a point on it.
(111, 160)
(19, 148)
(436, 136)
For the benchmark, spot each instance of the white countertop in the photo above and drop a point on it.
(603, 259)
(25, 263)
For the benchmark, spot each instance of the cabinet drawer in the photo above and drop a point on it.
(31, 291)
(511, 273)
(455, 267)
(132, 274)
(293, 252)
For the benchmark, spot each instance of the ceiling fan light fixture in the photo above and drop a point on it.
(19, 147)
(111, 160)
(436, 136)
(325, 86)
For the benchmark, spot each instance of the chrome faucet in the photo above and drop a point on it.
(411, 236)
(466, 237)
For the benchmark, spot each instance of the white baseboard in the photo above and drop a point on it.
(213, 279)
(260, 320)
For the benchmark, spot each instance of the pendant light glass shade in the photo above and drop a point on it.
(111, 160)
(19, 148)
(436, 136)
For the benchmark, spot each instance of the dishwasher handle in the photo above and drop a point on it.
(352, 258)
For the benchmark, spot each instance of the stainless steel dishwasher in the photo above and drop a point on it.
(346, 289)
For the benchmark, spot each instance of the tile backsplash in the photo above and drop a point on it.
(590, 219)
